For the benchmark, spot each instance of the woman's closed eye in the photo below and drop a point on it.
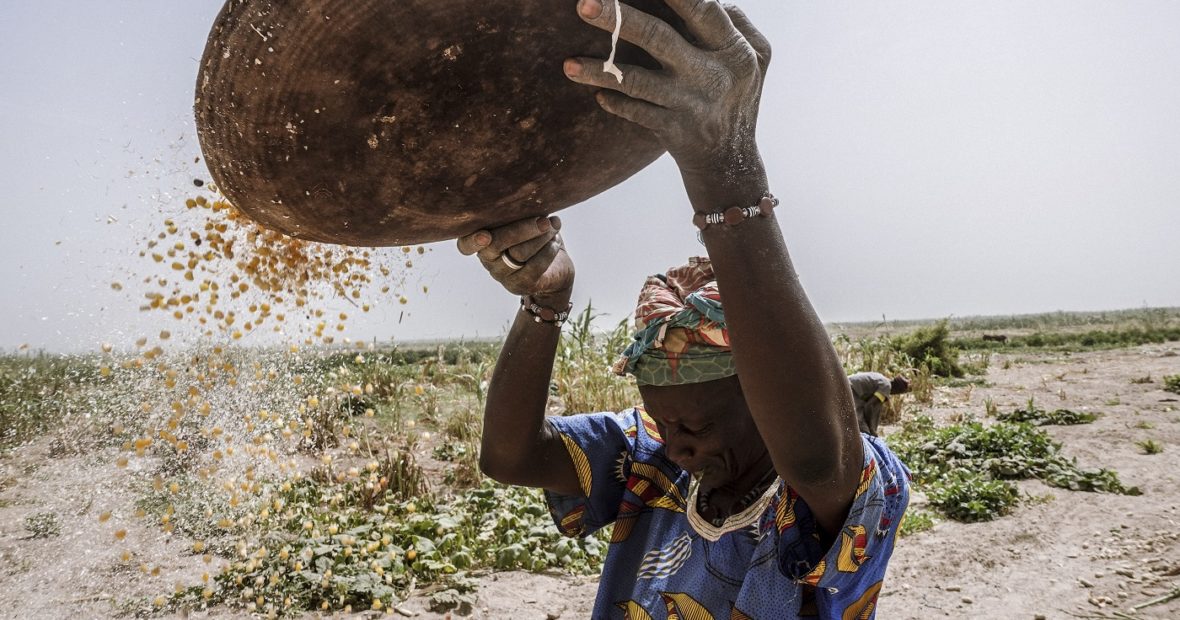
(697, 432)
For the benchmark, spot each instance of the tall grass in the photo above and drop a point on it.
(582, 374)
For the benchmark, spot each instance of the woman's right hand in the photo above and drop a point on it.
(527, 257)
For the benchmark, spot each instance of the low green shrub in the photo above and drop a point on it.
(916, 521)
(1039, 417)
(319, 545)
(1172, 384)
(931, 348)
(971, 496)
(957, 461)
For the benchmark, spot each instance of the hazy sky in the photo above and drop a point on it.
(934, 159)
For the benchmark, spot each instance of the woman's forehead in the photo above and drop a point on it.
(695, 401)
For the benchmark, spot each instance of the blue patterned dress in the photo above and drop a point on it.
(765, 563)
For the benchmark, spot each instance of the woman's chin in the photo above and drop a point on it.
(712, 478)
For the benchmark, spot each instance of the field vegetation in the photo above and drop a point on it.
(338, 479)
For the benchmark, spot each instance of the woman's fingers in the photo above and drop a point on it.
(523, 252)
(757, 41)
(707, 21)
(650, 33)
(642, 113)
(476, 241)
(532, 277)
(515, 233)
(643, 84)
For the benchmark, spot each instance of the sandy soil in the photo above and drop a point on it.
(1063, 555)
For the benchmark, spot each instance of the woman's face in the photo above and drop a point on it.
(707, 428)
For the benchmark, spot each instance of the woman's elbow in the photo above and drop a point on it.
(490, 467)
(499, 469)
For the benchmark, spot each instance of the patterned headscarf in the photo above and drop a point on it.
(680, 329)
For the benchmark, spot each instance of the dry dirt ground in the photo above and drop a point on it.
(1061, 555)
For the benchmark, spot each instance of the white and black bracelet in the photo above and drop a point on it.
(544, 314)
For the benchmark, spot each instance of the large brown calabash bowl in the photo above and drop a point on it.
(390, 122)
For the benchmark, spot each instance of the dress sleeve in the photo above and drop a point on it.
(601, 446)
(847, 576)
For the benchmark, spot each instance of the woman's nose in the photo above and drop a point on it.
(680, 450)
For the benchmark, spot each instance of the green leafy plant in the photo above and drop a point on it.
(970, 496)
(959, 460)
(1172, 384)
(1039, 417)
(448, 451)
(323, 546)
(916, 521)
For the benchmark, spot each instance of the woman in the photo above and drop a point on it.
(742, 488)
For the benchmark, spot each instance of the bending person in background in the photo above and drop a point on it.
(870, 390)
(741, 488)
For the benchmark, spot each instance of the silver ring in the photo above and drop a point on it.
(507, 260)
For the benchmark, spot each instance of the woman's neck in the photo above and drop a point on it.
(731, 498)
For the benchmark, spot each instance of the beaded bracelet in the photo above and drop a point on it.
(736, 215)
(543, 314)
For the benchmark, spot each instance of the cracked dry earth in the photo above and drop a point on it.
(1062, 554)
